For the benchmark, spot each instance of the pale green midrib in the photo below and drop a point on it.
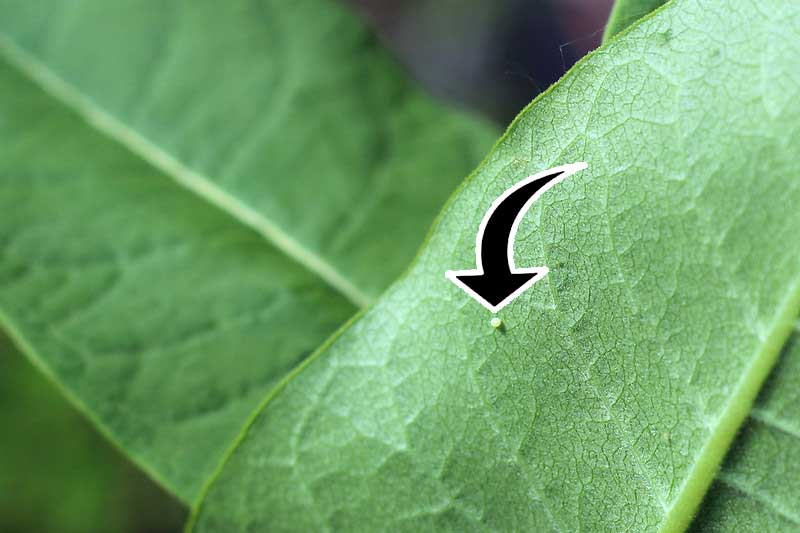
(694, 487)
(193, 181)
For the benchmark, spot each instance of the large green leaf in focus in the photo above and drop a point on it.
(619, 381)
(194, 195)
(758, 488)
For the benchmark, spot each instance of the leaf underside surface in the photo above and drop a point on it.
(621, 379)
(194, 195)
(757, 488)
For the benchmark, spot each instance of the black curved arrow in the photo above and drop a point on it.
(496, 281)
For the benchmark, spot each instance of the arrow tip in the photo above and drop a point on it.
(496, 291)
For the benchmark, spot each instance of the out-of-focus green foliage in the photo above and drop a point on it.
(57, 474)
(626, 12)
(195, 195)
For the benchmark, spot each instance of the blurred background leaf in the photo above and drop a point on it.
(625, 13)
(58, 474)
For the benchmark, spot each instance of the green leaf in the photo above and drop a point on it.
(57, 474)
(620, 380)
(626, 12)
(758, 488)
(290, 118)
(195, 195)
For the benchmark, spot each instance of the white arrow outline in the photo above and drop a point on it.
(539, 272)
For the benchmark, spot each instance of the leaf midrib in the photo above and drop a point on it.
(703, 472)
(109, 126)
(737, 408)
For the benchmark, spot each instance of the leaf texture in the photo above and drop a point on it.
(195, 195)
(621, 379)
(757, 489)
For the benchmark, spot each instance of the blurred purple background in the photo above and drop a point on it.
(490, 56)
